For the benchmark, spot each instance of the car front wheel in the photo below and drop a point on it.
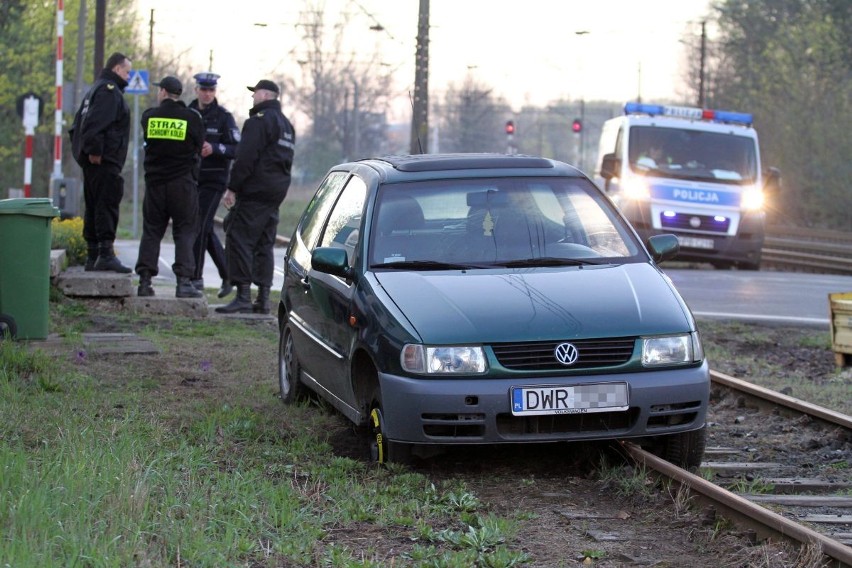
(288, 369)
(685, 450)
(382, 450)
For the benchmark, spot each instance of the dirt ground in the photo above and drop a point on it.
(566, 514)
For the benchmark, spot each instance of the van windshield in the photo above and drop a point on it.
(693, 154)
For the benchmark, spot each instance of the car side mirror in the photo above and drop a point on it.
(610, 166)
(772, 181)
(332, 261)
(663, 247)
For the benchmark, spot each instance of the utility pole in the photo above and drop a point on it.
(151, 37)
(701, 70)
(420, 102)
(100, 32)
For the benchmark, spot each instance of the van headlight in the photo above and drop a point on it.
(636, 188)
(752, 199)
(672, 350)
(443, 360)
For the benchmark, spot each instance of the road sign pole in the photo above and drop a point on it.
(136, 85)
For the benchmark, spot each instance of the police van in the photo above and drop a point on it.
(691, 172)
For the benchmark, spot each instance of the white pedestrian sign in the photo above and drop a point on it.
(138, 83)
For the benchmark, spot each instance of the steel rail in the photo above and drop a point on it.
(778, 399)
(762, 520)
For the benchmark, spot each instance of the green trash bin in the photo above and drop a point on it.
(25, 266)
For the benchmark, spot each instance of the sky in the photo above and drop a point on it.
(529, 51)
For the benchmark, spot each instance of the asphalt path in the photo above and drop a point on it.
(128, 251)
(784, 298)
(789, 298)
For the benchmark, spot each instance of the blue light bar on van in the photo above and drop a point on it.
(692, 113)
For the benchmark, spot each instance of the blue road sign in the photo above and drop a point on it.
(138, 83)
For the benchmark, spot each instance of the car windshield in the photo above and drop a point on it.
(479, 223)
(693, 154)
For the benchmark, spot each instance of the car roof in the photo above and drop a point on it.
(414, 166)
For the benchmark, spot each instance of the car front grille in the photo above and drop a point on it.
(541, 356)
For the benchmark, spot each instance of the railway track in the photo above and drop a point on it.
(765, 485)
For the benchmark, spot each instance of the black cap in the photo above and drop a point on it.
(266, 85)
(170, 84)
(206, 79)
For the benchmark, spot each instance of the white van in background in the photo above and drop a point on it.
(692, 172)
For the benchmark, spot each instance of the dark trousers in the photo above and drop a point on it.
(209, 196)
(176, 199)
(249, 239)
(103, 188)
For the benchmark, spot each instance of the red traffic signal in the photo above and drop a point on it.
(577, 126)
(510, 127)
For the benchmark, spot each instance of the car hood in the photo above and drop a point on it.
(490, 306)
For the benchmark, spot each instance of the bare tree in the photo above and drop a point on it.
(343, 91)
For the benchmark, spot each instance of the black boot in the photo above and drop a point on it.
(226, 288)
(107, 261)
(185, 289)
(261, 304)
(241, 304)
(145, 289)
(198, 283)
(91, 256)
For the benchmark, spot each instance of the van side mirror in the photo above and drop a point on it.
(772, 181)
(610, 166)
(663, 247)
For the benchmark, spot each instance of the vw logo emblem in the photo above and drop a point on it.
(566, 353)
(694, 222)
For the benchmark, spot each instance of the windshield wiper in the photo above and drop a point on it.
(549, 261)
(422, 265)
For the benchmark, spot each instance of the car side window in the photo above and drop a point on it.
(343, 229)
(318, 208)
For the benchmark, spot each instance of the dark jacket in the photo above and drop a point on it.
(102, 124)
(221, 131)
(173, 136)
(261, 171)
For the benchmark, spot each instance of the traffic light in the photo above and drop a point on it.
(510, 127)
(577, 126)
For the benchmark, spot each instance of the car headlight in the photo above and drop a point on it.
(443, 360)
(671, 350)
(752, 199)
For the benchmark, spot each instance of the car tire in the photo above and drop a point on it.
(383, 451)
(685, 450)
(8, 327)
(291, 387)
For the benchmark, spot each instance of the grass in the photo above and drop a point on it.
(160, 460)
(187, 458)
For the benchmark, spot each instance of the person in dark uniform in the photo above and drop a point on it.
(259, 182)
(99, 137)
(173, 136)
(221, 136)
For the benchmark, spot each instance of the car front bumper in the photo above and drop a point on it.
(468, 410)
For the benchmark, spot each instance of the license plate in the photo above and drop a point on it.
(694, 242)
(577, 399)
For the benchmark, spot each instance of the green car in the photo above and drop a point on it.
(447, 299)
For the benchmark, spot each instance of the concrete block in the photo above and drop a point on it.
(57, 262)
(78, 283)
(165, 305)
